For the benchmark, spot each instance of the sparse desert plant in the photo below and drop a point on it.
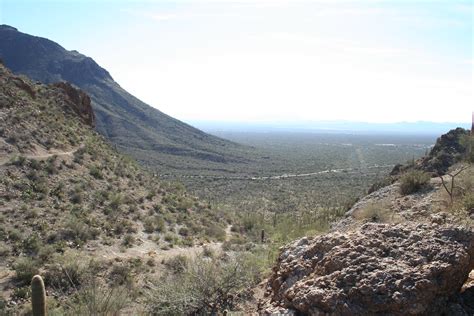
(77, 230)
(376, 213)
(69, 272)
(121, 274)
(95, 172)
(468, 142)
(177, 264)
(204, 287)
(413, 181)
(149, 225)
(208, 252)
(215, 232)
(128, 240)
(450, 188)
(18, 161)
(21, 292)
(25, 268)
(468, 203)
(77, 195)
(94, 298)
(183, 231)
(4, 249)
(154, 223)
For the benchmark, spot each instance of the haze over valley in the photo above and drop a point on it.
(244, 157)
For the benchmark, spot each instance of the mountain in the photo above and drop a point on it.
(144, 132)
(70, 202)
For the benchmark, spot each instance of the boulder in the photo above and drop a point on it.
(378, 269)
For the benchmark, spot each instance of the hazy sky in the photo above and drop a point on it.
(266, 60)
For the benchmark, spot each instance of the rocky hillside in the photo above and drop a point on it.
(405, 249)
(449, 149)
(144, 132)
(68, 198)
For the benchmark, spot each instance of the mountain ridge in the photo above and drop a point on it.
(149, 135)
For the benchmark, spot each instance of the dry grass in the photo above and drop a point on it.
(378, 212)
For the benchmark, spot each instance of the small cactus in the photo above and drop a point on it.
(262, 236)
(38, 296)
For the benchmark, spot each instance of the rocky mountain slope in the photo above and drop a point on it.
(449, 149)
(69, 200)
(394, 253)
(135, 127)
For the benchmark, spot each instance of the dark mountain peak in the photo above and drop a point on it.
(146, 133)
(47, 61)
(7, 27)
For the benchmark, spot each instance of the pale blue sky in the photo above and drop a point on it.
(273, 60)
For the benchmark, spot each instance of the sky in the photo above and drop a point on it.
(273, 60)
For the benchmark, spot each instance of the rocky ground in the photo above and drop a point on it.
(390, 255)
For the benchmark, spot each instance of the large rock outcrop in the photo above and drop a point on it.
(448, 150)
(379, 269)
(80, 102)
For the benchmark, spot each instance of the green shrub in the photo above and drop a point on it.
(4, 249)
(149, 225)
(35, 164)
(22, 293)
(205, 287)
(14, 234)
(468, 203)
(65, 276)
(170, 237)
(177, 264)
(413, 181)
(154, 223)
(128, 240)
(31, 244)
(183, 231)
(79, 231)
(94, 298)
(96, 172)
(46, 252)
(215, 232)
(51, 167)
(77, 196)
(121, 274)
(25, 268)
(18, 161)
(115, 201)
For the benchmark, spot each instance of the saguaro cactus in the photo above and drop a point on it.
(38, 296)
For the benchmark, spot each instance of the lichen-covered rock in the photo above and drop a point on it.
(379, 269)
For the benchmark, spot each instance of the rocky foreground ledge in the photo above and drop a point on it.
(378, 269)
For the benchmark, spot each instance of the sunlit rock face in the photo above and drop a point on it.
(379, 269)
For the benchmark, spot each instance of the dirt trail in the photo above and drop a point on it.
(4, 159)
(277, 177)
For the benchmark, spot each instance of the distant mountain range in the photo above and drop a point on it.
(142, 131)
(425, 128)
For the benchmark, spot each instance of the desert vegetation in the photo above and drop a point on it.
(109, 236)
